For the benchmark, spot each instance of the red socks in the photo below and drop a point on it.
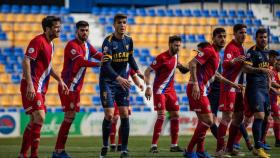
(174, 129)
(276, 129)
(222, 131)
(157, 129)
(26, 140)
(198, 136)
(35, 138)
(233, 131)
(63, 134)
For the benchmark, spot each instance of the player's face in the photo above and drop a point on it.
(54, 31)
(272, 59)
(261, 40)
(277, 66)
(120, 26)
(240, 35)
(220, 40)
(175, 47)
(82, 33)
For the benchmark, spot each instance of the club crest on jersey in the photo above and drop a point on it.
(39, 103)
(71, 105)
(127, 46)
(228, 56)
(31, 50)
(200, 54)
(248, 55)
(105, 49)
(154, 62)
(73, 51)
(159, 105)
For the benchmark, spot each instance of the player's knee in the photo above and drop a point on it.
(70, 114)
(39, 119)
(174, 114)
(109, 117)
(161, 116)
(259, 115)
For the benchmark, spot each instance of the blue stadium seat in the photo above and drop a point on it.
(201, 38)
(92, 110)
(143, 60)
(170, 12)
(58, 110)
(277, 13)
(239, 21)
(249, 31)
(241, 14)
(3, 59)
(82, 109)
(9, 68)
(25, 9)
(222, 21)
(69, 19)
(249, 22)
(230, 22)
(64, 10)
(179, 12)
(109, 29)
(178, 88)
(12, 109)
(63, 37)
(151, 12)
(185, 100)
(102, 20)
(161, 12)
(97, 89)
(3, 36)
(147, 109)
(96, 69)
(223, 13)
(95, 10)
(184, 38)
(96, 100)
(232, 13)
(205, 13)
(12, 59)
(250, 14)
(141, 12)
(5, 8)
(257, 22)
(15, 78)
(35, 9)
(136, 109)
(145, 52)
(133, 89)
(8, 51)
(15, 9)
(184, 108)
(188, 13)
(66, 28)
(130, 21)
(139, 100)
(197, 13)
(275, 39)
(44, 9)
(214, 13)
(132, 12)
(54, 10)
(71, 36)
(136, 52)
(18, 67)
(192, 38)
(131, 101)
(3, 110)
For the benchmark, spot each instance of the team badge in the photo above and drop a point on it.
(39, 103)
(31, 50)
(105, 49)
(159, 105)
(228, 56)
(72, 105)
(73, 51)
(248, 55)
(154, 62)
(231, 105)
(105, 95)
(127, 46)
(200, 54)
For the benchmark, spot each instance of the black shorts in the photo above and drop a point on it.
(214, 98)
(258, 100)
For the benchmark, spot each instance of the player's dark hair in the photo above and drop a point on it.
(174, 38)
(81, 24)
(218, 31)
(119, 16)
(203, 44)
(237, 27)
(48, 21)
(260, 31)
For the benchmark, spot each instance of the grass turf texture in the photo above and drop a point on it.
(83, 147)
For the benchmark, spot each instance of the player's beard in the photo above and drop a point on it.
(81, 38)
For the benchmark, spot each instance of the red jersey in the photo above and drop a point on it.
(164, 66)
(40, 51)
(208, 59)
(272, 95)
(73, 75)
(232, 72)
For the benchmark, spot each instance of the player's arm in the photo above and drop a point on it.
(30, 93)
(147, 74)
(193, 69)
(229, 61)
(132, 61)
(81, 62)
(59, 80)
(221, 78)
(275, 84)
(183, 69)
(137, 82)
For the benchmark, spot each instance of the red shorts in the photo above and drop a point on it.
(117, 112)
(167, 101)
(38, 103)
(231, 101)
(275, 110)
(70, 102)
(202, 105)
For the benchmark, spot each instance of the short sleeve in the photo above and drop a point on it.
(71, 51)
(228, 54)
(106, 50)
(248, 59)
(33, 48)
(131, 49)
(132, 72)
(157, 63)
(203, 56)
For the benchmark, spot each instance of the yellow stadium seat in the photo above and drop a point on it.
(90, 77)
(212, 21)
(176, 21)
(20, 17)
(166, 20)
(36, 27)
(30, 18)
(2, 68)
(2, 89)
(53, 89)
(12, 89)
(86, 100)
(88, 89)
(191, 30)
(185, 20)
(177, 29)
(5, 78)
(10, 17)
(162, 40)
(202, 21)
(17, 101)
(2, 17)
(52, 100)
(194, 21)
(149, 20)
(26, 27)
(152, 39)
(158, 20)
(136, 28)
(7, 27)
(6, 100)
(17, 27)
(163, 29)
(39, 18)
(139, 20)
(154, 52)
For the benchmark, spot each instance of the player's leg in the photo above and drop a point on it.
(265, 128)
(106, 95)
(275, 113)
(26, 139)
(243, 132)
(214, 103)
(159, 106)
(114, 129)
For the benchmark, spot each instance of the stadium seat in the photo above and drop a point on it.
(205, 13)
(6, 100)
(44, 9)
(95, 10)
(132, 101)
(151, 12)
(5, 78)
(232, 13)
(248, 22)
(275, 39)
(147, 109)
(5, 8)
(88, 89)
(52, 100)
(188, 13)
(132, 12)
(239, 21)
(201, 38)
(133, 89)
(241, 14)
(139, 100)
(35, 9)
(196, 13)
(185, 100)
(192, 38)
(16, 78)
(257, 22)
(25, 9)
(86, 100)
(64, 10)
(222, 21)
(136, 109)
(223, 13)
(3, 36)
(15, 9)
(184, 108)
(12, 89)
(161, 12)
(96, 100)
(170, 12)
(130, 21)
(214, 13)
(178, 13)
(250, 14)
(178, 88)
(141, 12)
(92, 110)
(102, 20)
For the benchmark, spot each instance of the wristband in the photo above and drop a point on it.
(149, 86)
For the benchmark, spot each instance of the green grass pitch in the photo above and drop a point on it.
(86, 147)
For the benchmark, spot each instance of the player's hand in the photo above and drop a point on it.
(148, 93)
(240, 58)
(139, 74)
(124, 83)
(195, 91)
(268, 72)
(30, 92)
(65, 89)
(141, 87)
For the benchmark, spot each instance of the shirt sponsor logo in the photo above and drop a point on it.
(73, 51)
(39, 103)
(200, 54)
(31, 50)
(228, 56)
(154, 62)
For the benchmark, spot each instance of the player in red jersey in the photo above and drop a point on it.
(37, 69)
(231, 100)
(164, 94)
(113, 146)
(77, 55)
(203, 69)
